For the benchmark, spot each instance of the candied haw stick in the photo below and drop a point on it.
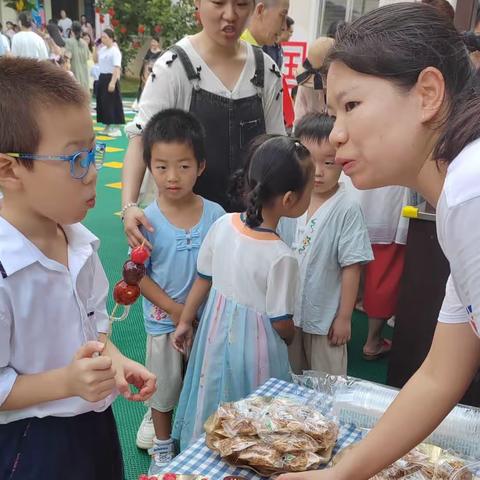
(127, 291)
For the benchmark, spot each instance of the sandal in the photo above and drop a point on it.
(383, 351)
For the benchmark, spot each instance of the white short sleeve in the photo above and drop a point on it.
(205, 255)
(281, 288)
(7, 374)
(161, 92)
(117, 58)
(461, 241)
(452, 310)
(354, 244)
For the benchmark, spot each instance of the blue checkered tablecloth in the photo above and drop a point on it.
(198, 459)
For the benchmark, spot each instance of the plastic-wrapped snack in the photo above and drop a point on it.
(291, 443)
(447, 465)
(261, 456)
(425, 462)
(300, 461)
(227, 411)
(228, 446)
(325, 432)
(238, 426)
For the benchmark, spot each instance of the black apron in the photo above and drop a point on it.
(230, 126)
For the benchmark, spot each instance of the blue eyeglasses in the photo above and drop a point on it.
(79, 162)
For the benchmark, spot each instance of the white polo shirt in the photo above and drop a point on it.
(47, 312)
(458, 233)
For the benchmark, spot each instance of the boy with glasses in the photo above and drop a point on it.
(56, 390)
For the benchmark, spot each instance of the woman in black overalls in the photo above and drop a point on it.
(187, 77)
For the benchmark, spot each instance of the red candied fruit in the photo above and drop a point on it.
(169, 476)
(133, 272)
(140, 254)
(125, 294)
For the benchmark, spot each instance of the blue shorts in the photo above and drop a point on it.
(84, 447)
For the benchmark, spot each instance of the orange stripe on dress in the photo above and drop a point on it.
(250, 232)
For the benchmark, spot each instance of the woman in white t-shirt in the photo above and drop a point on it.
(233, 88)
(406, 101)
(109, 99)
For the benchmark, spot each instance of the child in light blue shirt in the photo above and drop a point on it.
(331, 243)
(174, 153)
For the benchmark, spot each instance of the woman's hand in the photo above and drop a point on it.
(111, 87)
(132, 218)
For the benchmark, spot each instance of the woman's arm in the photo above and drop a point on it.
(423, 403)
(115, 77)
(132, 176)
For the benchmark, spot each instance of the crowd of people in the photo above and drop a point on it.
(260, 226)
(94, 63)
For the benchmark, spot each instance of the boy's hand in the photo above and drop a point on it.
(340, 331)
(93, 379)
(132, 218)
(176, 312)
(132, 373)
(182, 338)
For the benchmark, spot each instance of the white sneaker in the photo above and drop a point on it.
(114, 132)
(162, 452)
(146, 432)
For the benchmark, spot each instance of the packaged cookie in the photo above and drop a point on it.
(238, 426)
(228, 446)
(291, 443)
(300, 461)
(261, 456)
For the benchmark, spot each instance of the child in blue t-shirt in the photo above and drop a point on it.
(174, 153)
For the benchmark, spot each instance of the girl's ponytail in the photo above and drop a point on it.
(254, 207)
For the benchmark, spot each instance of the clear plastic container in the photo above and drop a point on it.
(470, 472)
(362, 403)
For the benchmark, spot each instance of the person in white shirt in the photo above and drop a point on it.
(26, 43)
(109, 98)
(232, 87)
(53, 289)
(4, 43)
(65, 24)
(412, 120)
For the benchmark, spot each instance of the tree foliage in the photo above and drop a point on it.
(133, 20)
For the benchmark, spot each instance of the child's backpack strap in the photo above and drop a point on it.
(190, 70)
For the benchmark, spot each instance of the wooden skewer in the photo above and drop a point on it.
(110, 323)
